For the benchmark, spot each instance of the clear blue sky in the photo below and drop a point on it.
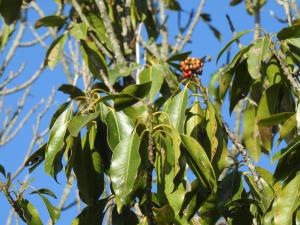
(204, 43)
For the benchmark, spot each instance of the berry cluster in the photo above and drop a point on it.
(191, 67)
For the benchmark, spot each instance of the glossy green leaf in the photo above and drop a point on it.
(10, 10)
(235, 62)
(176, 107)
(79, 121)
(289, 32)
(55, 50)
(119, 127)
(56, 140)
(154, 74)
(211, 128)
(283, 205)
(275, 119)
(237, 36)
(50, 21)
(71, 90)
(29, 212)
(124, 168)
(199, 162)
(132, 94)
(53, 211)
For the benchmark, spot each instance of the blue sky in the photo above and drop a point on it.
(203, 43)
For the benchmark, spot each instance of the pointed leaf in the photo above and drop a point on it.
(55, 50)
(124, 168)
(50, 21)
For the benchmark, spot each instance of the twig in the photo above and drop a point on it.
(163, 30)
(191, 29)
(287, 10)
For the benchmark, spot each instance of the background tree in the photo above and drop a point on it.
(141, 137)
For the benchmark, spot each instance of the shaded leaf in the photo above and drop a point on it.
(289, 32)
(71, 90)
(275, 119)
(10, 10)
(55, 50)
(50, 21)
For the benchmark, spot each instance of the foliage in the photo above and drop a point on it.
(135, 122)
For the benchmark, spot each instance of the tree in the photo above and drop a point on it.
(143, 137)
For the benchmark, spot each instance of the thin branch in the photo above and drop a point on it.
(287, 10)
(191, 29)
(242, 149)
(163, 30)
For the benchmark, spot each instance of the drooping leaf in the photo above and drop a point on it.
(132, 94)
(283, 205)
(88, 168)
(10, 10)
(199, 162)
(254, 59)
(176, 107)
(237, 36)
(56, 141)
(124, 168)
(119, 127)
(50, 21)
(120, 70)
(71, 90)
(287, 127)
(55, 50)
(235, 2)
(289, 32)
(29, 212)
(44, 191)
(179, 57)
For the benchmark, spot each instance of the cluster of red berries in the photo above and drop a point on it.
(191, 67)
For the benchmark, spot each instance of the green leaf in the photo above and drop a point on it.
(44, 191)
(173, 5)
(226, 78)
(275, 119)
(88, 168)
(5, 35)
(199, 162)
(79, 121)
(71, 90)
(29, 212)
(216, 32)
(55, 50)
(121, 70)
(91, 215)
(283, 205)
(36, 158)
(79, 31)
(10, 10)
(132, 94)
(50, 21)
(289, 32)
(179, 57)
(254, 59)
(93, 59)
(293, 145)
(235, 2)
(53, 211)
(119, 126)
(127, 217)
(56, 140)
(2, 170)
(154, 74)
(211, 128)
(240, 86)
(287, 127)
(175, 108)
(237, 36)
(124, 168)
